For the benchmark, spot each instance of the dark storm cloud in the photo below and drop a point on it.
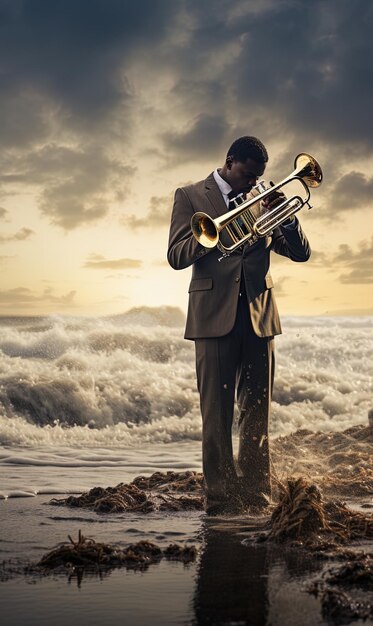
(201, 139)
(74, 56)
(289, 71)
(63, 83)
(98, 262)
(307, 63)
(157, 216)
(299, 71)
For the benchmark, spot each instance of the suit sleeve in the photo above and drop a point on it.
(183, 248)
(291, 242)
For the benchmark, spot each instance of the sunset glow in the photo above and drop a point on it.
(99, 131)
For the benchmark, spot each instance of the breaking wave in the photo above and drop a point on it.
(130, 378)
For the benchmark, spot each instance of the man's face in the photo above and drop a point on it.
(243, 176)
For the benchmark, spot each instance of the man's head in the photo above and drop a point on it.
(245, 163)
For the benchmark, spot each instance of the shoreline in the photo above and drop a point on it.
(232, 581)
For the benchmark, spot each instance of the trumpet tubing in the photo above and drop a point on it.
(242, 225)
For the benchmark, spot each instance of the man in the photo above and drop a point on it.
(232, 318)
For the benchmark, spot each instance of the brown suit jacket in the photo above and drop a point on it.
(215, 286)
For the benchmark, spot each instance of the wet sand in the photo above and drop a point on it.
(234, 579)
(231, 582)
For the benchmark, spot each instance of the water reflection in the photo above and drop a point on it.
(232, 579)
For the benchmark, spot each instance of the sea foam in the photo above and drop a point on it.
(130, 379)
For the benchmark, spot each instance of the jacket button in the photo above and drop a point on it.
(237, 280)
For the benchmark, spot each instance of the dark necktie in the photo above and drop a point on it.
(235, 199)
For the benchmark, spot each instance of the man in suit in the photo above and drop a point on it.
(232, 318)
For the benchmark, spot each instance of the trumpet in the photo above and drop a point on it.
(241, 223)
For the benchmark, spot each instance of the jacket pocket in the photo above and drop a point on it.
(200, 284)
(269, 281)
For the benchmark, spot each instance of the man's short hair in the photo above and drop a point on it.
(248, 148)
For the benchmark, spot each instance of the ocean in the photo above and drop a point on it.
(90, 402)
(92, 397)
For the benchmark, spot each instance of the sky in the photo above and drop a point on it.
(107, 106)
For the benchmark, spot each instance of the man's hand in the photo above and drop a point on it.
(275, 199)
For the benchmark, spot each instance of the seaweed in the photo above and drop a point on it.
(339, 608)
(132, 498)
(303, 517)
(87, 554)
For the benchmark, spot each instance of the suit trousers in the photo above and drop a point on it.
(243, 362)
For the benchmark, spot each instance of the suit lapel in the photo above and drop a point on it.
(214, 196)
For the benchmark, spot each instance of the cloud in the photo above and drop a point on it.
(77, 183)
(20, 235)
(202, 138)
(24, 297)
(287, 67)
(3, 212)
(157, 216)
(359, 264)
(352, 266)
(293, 72)
(80, 79)
(97, 261)
(310, 77)
(353, 191)
(279, 286)
(72, 58)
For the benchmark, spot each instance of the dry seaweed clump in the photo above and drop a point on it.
(171, 481)
(110, 500)
(143, 495)
(87, 554)
(304, 518)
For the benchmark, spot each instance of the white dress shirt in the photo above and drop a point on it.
(224, 187)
